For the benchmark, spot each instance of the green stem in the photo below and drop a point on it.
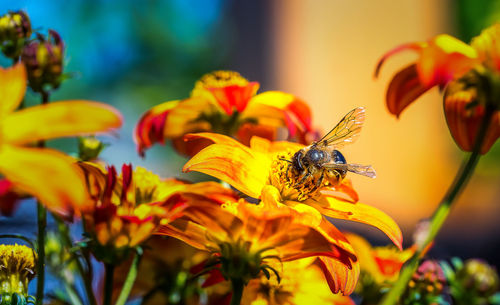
(129, 281)
(441, 213)
(237, 286)
(40, 270)
(42, 225)
(87, 280)
(108, 283)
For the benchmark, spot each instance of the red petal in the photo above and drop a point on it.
(405, 87)
(234, 96)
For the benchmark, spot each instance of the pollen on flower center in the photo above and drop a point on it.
(220, 79)
(288, 181)
(17, 268)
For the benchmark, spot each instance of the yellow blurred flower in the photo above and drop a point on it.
(45, 173)
(226, 103)
(17, 269)
(470, 73)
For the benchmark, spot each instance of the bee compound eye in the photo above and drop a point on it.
(338, 157)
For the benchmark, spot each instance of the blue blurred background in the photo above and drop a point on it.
(136, 54)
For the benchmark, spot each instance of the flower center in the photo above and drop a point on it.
(290, 183)
(221, 79)
(17, 268)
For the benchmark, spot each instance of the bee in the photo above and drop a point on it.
(322, 160)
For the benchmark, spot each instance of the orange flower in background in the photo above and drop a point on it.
(224, 102)
(382, 264)
(128, 208)
(245, 239)
(44, 173)
(259, 171)
(302, 283)
(467, 71)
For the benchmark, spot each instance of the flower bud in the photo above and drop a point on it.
(43, 58)
(15, 29)
(476, 275)
(427, 285)
(89, 148)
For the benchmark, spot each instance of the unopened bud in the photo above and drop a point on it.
(43, 58)
(15, 30)
(89, 148)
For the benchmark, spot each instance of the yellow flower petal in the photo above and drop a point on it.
(46, 174)
(12, 88)
(338, 277)
(59, 119)
(232, 162)
(363, 213)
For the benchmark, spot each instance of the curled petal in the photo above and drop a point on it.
(234, 97)
(149, 129)
(59, 119)
(48, 175)
(339, 209)
(464, 119)
(12, 88)
(404, 88)
(338, 277)
(232, 162)
(415, 46)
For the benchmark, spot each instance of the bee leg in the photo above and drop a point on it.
(303, 178)
(320, 180)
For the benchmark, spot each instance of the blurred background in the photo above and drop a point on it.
(135, 55)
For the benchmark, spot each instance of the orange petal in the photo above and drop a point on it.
(292, 112)
(150, 128)
(234, 97)
(59, 119)
(232, 162)
(12, 88)
(363, 213)
(404, 88)
(464, 121)
(338, 277)
(249, 130)
(48, 175)
(443, 59)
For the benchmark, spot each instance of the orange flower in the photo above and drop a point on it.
(468, 71)
(224, 102)
(261, 171)
(45, 173)
(245, 238)
(128, 209)
(302, 282)
(382, 264)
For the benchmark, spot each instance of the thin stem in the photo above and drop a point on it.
(87, 280)
(40, 270)
(108, 283)
(237, 286)
(129, 281)
(42, 225)
(441, 213)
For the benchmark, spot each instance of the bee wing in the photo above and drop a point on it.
(346, 131)
(365, 170)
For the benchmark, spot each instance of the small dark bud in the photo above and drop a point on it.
(476, 275)
(15, 30)
(89, 148)
(43, 58)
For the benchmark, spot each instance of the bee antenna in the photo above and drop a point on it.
(283, 159)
